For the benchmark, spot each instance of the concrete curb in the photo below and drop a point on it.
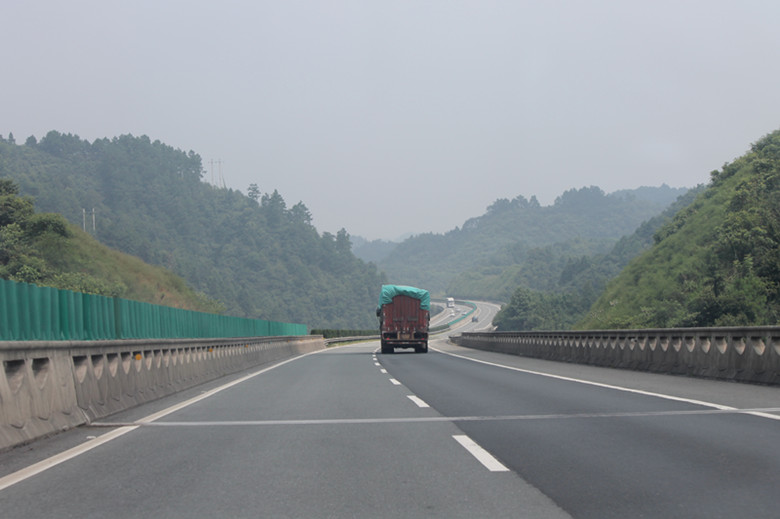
(47, 387)
(739, 354)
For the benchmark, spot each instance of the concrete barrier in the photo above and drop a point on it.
(46, 387)
(745, 354)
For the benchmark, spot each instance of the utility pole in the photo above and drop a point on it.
(84, 220)
(219, 180)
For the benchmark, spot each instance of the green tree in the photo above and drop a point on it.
(716, 263)
(260, 260)
(254, 192)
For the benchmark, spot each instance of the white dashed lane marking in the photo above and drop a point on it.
(483, 456)
(417, 400)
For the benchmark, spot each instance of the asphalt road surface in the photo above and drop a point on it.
(453, 433)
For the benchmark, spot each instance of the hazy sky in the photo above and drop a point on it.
(358, 108)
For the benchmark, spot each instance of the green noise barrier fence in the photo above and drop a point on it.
(32, 313)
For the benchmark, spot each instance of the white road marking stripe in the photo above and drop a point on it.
(395, 382)
(483, 456)
(617, 388)
(417, 400)
(377, 364)
(53, 461)
(428, 419)
(182, 405)
(383, 370)
(37, 468)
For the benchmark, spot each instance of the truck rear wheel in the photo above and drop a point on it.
(386, 348)
(423, 348)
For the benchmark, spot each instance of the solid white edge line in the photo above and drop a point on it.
(52, 461)
(610, 386)
(483, 456)
(417, 400)
(193, 400)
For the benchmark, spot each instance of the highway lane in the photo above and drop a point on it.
(484, 314)
(345, 433)
(608, 443)
(330, 434)
(696, 451)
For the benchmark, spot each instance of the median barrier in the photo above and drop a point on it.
(745, 354)
(50, 386)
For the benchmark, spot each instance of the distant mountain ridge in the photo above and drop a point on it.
(374, 250)
(252, 253)
(511, 228)
(260, 258)
(555, 286)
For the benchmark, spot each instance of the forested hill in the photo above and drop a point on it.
(717, 263)
(44, 249)
(511, 229)
(555, 288)
(254, 254)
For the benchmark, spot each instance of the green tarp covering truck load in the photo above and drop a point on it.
(404, 313)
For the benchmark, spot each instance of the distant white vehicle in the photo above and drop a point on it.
(450, 302)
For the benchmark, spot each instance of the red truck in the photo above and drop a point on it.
(404, 313)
